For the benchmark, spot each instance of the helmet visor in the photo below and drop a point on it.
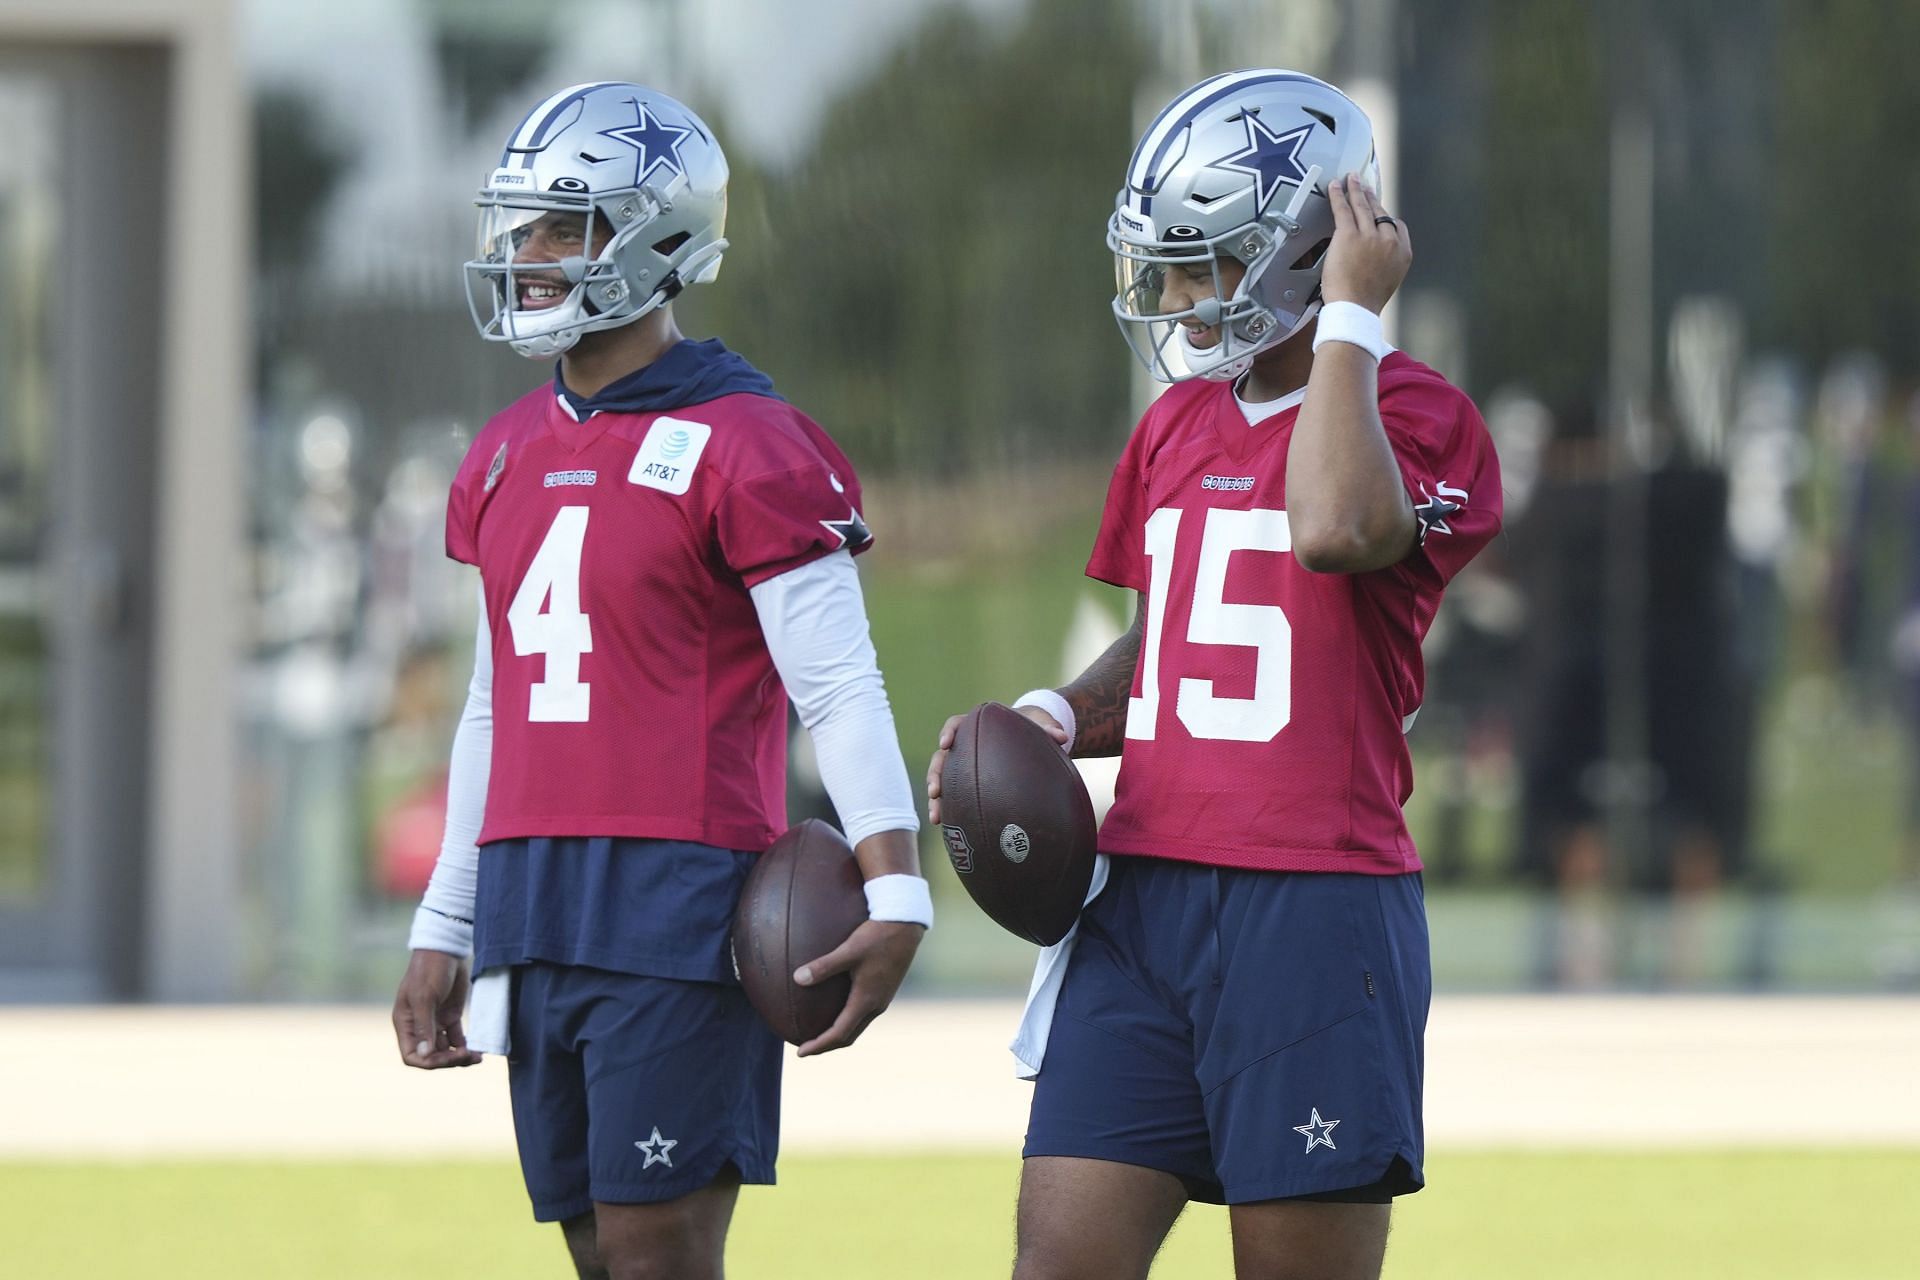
(533, 268)
(1181, 307)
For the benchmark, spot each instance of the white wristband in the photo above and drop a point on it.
(1054, 705)
(901, 899)
(437, 931)
(1352, 323)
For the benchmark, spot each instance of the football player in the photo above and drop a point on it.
(665, 550)
(1242, 1009)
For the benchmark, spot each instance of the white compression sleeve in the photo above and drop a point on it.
(814, 620)
(444, 921)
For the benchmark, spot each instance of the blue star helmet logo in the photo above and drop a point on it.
(656, 141)
(1272, 158)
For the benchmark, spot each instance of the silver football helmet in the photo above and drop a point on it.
(608, 200)
(1236, 167)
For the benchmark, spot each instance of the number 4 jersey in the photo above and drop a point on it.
(1267, 727)
(633, 694)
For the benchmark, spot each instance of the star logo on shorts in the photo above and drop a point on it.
(657, 1149)
(1319, 1133)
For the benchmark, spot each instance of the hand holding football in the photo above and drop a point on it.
(802, 899)
(1017, 823)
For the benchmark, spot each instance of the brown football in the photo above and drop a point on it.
(1017, 823)
(803, 898)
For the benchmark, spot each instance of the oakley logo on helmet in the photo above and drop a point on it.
(1183, 233)
(567, 184)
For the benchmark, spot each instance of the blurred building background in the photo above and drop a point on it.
(1673, 730)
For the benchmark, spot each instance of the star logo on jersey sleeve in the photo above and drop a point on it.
(852, 532)
(1432, 514)
(1318, 1132)
(656, 141)
(658, 1149)
(1272, 158)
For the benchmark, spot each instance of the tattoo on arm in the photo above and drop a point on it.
(1099, 696)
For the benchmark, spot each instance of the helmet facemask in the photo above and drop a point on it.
(598, 288)
(1260, 313)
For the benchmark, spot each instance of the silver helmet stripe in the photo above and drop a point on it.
(532, 133)
(1136, 177)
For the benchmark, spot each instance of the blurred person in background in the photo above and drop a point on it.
(1906, 650)
(665, 549)
(1239, 1015)
(1859, 496)
(1699, 700)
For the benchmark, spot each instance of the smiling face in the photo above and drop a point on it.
(1187, 283)
(551, 237)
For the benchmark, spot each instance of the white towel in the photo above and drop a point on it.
(1049, 971)
(488, 1007)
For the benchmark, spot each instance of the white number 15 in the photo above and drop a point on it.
(1261, 627)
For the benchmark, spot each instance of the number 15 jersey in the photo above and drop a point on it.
(1267, 727)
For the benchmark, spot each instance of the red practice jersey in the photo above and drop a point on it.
(1268, 722)
(632, 691)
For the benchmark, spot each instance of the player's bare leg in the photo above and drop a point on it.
(1092, 1219)
(1309, 1240)
(582, 1247)
(684, 1239)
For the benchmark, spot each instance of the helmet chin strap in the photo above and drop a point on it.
(1198, 358)
(1208, 312)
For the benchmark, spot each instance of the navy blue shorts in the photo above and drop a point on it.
(1257, 1034)
(632, 1090)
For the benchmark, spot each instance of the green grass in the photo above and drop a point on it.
(1488, 1216)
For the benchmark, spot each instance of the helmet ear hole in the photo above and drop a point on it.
(666, 247)
(1311, 258)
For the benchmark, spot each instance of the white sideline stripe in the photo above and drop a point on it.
(1502, 1072)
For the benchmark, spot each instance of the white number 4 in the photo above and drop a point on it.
(561, 633)
(1261, 627)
